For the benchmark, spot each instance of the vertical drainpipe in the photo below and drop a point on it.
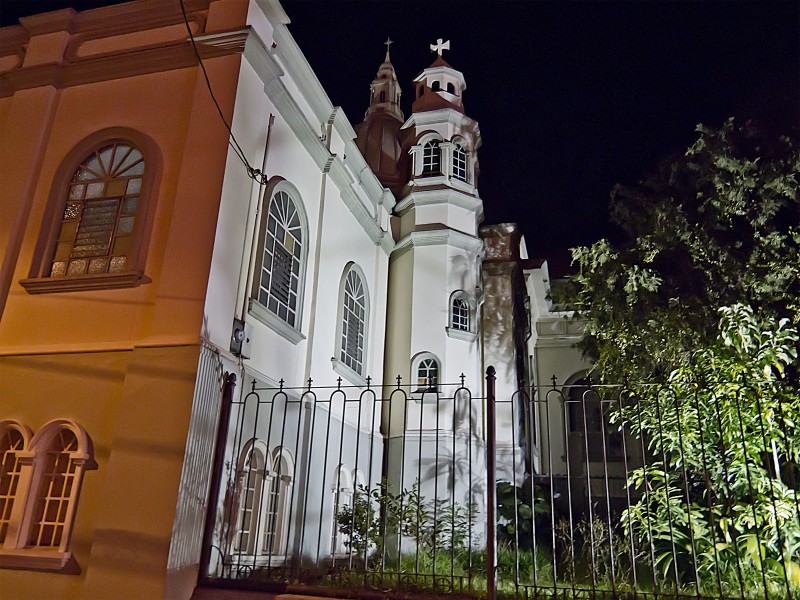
(304, 460)
(244, 294)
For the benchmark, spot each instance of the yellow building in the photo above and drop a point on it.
(112, 156)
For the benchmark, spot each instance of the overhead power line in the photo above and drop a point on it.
(253, 173)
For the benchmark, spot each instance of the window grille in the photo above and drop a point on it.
(98, 221)
(354, 315)
(55, 491)
(10, 444)
(460, 314)
(459, 162)
(281, 262)
(431, 159)
(427, 374)
(252, 479)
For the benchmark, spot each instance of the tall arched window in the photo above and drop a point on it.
(459, 314)
(279, 481)
(251, 487)
(342, 501)
(431, 158)
(459, 162)
(354, 312)
(100, 215)
(282, 254)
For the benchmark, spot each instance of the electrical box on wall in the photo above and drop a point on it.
(240, 338)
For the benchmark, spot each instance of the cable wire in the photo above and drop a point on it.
(255, 174)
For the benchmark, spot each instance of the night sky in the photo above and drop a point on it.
(571, 97)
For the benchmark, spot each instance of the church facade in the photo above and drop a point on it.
(170, 315)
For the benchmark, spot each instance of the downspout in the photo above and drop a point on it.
(244, 294)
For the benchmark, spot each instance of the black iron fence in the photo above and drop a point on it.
(567, 491)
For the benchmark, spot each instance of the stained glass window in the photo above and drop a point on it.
(97, 226)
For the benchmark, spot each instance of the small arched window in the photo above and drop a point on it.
(431, 158)
(459, 162)
(425, 372)
(459, 314)
(354, 307)
(278, 286)
(451, 88)
(436, 86)
(383, 97)
(100, 214)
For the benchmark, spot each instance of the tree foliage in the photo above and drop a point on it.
(716, 227)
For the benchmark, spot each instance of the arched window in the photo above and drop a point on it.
(342, 502)
(251, 488)
(278, 286)
(383, 97)
(431, 158)
(279, 481)
(451, 88)
(436, 86)
(590, 424)
(459, 313)
(13, 440)
(459, 162)
(425, 372)
(354, 313)
(100, 215)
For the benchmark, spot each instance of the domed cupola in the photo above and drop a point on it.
(377, 134)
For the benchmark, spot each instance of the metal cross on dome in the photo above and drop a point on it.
(439, 46)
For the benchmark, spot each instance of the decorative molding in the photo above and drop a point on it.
(138, 61)
(79, 283)
(437, 237)
(445, 195)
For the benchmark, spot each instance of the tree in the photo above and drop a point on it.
(715, 227)
(700, 304)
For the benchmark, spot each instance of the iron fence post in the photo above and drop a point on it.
(491, 490)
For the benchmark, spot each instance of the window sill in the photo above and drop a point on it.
(263, 315)
(349, 374)
(32, 558)
(460, 334)
(78, 283)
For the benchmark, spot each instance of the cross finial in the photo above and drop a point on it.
(439, 46)
(389, 41)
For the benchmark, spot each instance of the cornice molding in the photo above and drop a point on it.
(437, 237)
(452, 196)
(137, 61)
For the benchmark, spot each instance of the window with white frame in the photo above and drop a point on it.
(425, 371)
(282, 254)
(251, 488)
(459, 312)
(279, 482)
(459, 162)
(354, 307)
(263, 492)
(341, 504)
(13, 441)
(431, 158)
(39, 488)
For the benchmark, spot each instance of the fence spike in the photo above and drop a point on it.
(399, 379)
(280, 383)
(369, 380)
(463, 377)
(338, 383)
(554, 379)
(253, 385)
(309, 383)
